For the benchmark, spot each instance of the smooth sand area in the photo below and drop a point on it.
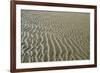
(54, 36)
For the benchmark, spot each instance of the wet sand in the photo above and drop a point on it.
(54, 36)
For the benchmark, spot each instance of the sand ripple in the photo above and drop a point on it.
(54, 36)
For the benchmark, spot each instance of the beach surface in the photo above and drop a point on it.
(54, 36)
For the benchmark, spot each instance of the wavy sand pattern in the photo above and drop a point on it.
(54, 36)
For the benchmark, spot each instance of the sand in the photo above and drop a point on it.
(54, 36)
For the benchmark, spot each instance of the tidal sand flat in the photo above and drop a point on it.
(54, 36)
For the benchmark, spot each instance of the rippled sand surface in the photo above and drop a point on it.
(54, 36)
